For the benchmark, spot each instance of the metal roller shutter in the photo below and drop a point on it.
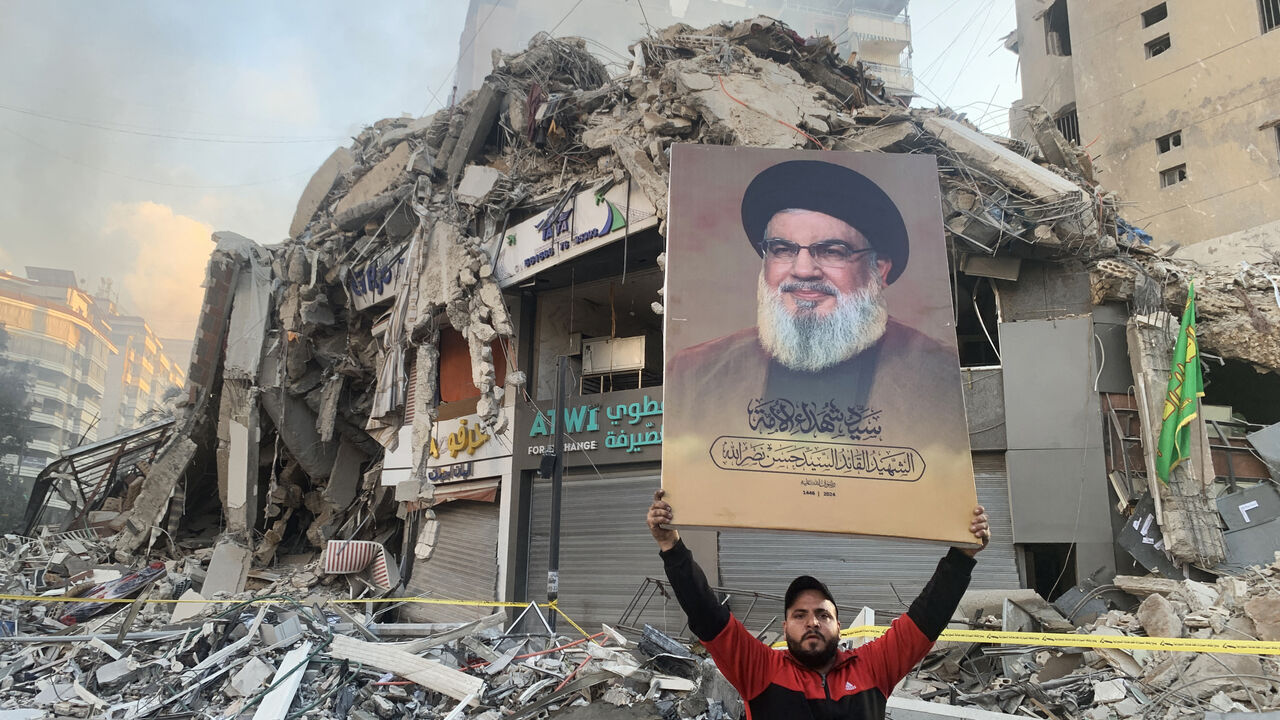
(606, 550)
(463, 565)
(868, 571)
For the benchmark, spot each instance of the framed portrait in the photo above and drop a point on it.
(812, 381)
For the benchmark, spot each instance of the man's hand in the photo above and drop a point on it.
(659, 515)
(980, 529)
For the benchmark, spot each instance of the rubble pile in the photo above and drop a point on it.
(1103, 683)
(286, 648)
(286, 645)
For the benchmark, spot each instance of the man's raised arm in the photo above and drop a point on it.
(707, 617)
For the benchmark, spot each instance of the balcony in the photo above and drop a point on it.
(897, 78)
(872, 27)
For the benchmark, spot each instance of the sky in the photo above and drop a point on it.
(132, 130)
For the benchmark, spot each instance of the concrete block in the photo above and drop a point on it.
(153, 499)
(338, 163)
(1265, 613)
(353, 217)
(637, 163)
(477, 181)
(247, 329)
(414, 129)
(186, 610)
(1111, 691)
(249, 678)
(316, 313)
(119, 671)
(1159, 618)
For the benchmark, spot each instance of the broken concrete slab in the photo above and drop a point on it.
(334, 167)
(296, 423)
(379, 179)
(476, 183)
(285, 684)
(895, 137)
(646, 176)
(228, 569)
(429, 674)
(479, 121)
(249, 678)
(979, 150)
(153, 500)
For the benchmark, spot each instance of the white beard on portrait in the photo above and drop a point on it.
(806, 341)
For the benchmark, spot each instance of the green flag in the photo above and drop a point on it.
(1185, 385)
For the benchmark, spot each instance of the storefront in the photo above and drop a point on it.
(612, 459)
(460, 529)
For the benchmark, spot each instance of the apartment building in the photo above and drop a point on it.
(1177, 102)
(93, 372)
(56, 330)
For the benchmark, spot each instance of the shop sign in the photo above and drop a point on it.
(590, 220)
(378, 279)
(605, 429)
(459, 441)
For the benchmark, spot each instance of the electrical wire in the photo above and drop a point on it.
(148, 181)
(191, 137)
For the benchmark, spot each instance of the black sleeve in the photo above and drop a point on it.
(932, 609)
(707, 617)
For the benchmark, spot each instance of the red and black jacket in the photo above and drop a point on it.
(774, 685)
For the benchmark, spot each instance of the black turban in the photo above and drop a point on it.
(833, 190)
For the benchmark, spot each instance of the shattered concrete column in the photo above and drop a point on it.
(646, 176)
(157, 488)
(1188, 516)
(480, 120)
(238, 430)
(425, 377)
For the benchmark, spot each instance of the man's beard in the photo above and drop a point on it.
(813, 659)
(807, 341)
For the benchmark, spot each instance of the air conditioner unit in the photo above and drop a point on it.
(608, 355)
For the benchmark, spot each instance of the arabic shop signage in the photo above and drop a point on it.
(461, 449)
(378, 279)
(589, 221)
(605, 429)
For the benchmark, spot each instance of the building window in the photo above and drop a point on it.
(1155, 15)
(1173, 175)
(1169, 142)
(1159, 45)
(1057, 31)
(1068, 123)
(1270, 12)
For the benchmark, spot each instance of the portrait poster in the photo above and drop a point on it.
(812, 381)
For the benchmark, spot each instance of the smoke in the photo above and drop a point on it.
(164, 282)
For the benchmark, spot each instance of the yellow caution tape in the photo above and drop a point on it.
(1116, 642)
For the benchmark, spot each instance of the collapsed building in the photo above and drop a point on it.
(369, 403)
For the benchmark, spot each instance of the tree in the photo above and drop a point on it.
(15, 434)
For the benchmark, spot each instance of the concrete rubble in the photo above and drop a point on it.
(315, 358)
(304, 646)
